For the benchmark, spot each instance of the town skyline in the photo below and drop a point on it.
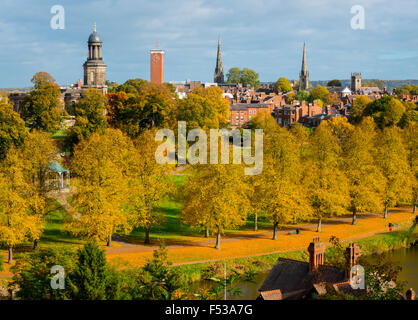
(130, 30)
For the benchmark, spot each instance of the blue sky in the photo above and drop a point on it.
(265, 35)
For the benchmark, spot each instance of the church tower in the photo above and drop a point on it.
(94, 67)
(219, 71)
(304, 74)
(355, 82)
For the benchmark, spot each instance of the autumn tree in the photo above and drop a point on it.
(12, 128)
(204, 108)
(326, 184)
(17, 223)
(366, 181)
(262, 120)
(392, 158)
(358, 108)
(281, 193)
(148, 183)
(410, 136)
(216, 196)
(42, 108)
(334, 83)
(89, 116)
(282, 85)
(100, 165)
(319, 93)
(37, 152)
(386, 111)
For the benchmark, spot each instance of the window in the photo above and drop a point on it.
(242, 117)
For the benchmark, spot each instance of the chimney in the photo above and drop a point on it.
(352, 253)
(410, 294)
(316, 251)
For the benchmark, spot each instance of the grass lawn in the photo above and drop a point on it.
(59, 135)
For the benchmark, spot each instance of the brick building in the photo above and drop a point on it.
(241, 113)
(286, 115)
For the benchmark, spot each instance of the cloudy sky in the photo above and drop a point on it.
(265, 35)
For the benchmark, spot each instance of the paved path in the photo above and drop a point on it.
(126, 247)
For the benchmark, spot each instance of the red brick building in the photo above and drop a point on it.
(241, 113)
(286, 115)
(157, 66)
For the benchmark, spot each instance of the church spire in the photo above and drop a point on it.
(304, 74)
(219, 72)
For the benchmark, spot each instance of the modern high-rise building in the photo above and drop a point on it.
(219, 71)
(304, 74)
(94, 67)
(157, 66)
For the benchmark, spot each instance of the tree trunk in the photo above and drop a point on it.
(354, 218)
(218, 240)
(10, 261)
(318, 229)
(147, 240)
(206, 232)
(109, 241)
(275, 231)
(386, 212)
(415, 209)
(255, 221)
(35, 244)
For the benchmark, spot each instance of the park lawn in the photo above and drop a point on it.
(59, 134)
(264, 245)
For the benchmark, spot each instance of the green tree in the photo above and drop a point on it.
(42, 108)
(302, 95)
(245, 77)
(90, 117)
(12, 128)
(90, 275)
(334, 83)
(386, 111)
(282, 85)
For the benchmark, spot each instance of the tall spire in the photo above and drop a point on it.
(304, 66)
(219, 72)
(95, 27)
(304, 74)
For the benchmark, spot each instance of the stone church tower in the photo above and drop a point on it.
(355, 82)
(304, 74)
(219, 71)
(94, 67)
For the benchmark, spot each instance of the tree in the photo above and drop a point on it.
(159, 281)
(42, 108)
(216, 197)
(334, 83)
(17, 223)
(262, 120)
(282, 85)
(386, 111)
(12, 128)
(366, 181)
(245, 77)
(90, 275)
(319, 92)
(37, 152)
(326, 183)
(148, 184)
(302, 95)
(281, 193)
(358, 109)
(90, 116)
(144, 105)
(32, 274)
(392, 159)
(204, 108)
(410, 137)
(101, 164)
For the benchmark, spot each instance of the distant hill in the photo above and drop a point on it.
(390, 84)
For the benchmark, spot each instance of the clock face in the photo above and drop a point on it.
(156, 57)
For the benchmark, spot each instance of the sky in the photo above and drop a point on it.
(264, 35)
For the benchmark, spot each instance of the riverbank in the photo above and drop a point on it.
(375, 244)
